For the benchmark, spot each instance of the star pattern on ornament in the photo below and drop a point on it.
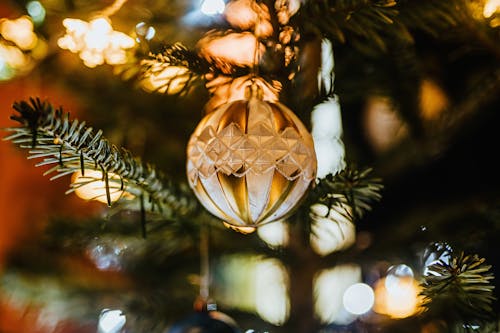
(234, 152)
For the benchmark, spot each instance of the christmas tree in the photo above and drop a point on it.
(249, 166)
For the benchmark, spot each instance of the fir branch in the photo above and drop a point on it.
(343, 20)
(71, 146)
(431, 16)
(190, 67)
(461, 288)
(351, 187)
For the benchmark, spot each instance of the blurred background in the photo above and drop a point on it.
(421, 109)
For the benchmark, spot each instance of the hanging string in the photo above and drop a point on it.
(256, 54)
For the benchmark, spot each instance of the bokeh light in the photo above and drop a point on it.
(331, 229)
(96, 42)
(19, 31)
(329, 288)
(212, 7)
(382, 124)
(111, 321)
(274, 234)
(327, 132)
(358, 298)
(91, 186)
(254, 284)
(398, 299)
(36, 11)
(395, 273)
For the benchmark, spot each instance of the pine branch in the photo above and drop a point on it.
(343, 20)
(351, 187)
(70, 146)
(190, 67)
(431, 16)
(461, 288)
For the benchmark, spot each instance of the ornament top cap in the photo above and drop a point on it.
(254, 91)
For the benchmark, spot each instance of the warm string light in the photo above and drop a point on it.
(92, 186)
(21, 49)
(96, 42)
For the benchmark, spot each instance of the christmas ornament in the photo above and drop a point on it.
(250, 161)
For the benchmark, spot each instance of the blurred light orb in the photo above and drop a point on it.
(491, 7)
(19, 31)
(95, 42)
(395, 273)
(212, 7)
(329, 287)
(36, 11)
(382, 124)
(250, 162)
(331, 229)
(400, 300)
(274, 234)
(111, 321)
(358, 298)
(327, 132)
(271, 291)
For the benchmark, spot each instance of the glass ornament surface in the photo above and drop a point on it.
(250, 162)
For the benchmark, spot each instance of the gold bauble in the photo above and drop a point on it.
(251, 161)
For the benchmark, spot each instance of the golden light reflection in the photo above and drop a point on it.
(94, 187)
(248, 15)
(242, 230)
(399, 299)
(230, 49)
(226, 89)
(170, 80)
(329, 288)
(95, 42)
